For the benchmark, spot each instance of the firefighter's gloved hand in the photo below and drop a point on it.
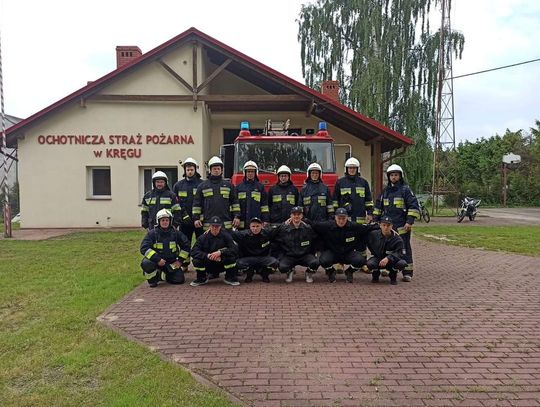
(186, 220)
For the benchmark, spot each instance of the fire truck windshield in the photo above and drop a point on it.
(270, 155)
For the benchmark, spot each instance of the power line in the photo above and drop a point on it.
(494, 69)
(418, 85)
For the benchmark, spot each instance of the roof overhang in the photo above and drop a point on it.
(284, 93)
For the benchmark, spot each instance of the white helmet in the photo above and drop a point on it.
(284, 170)
(314, 166)
(394, 168)
(190, 161)
(352, 162)
(163, 213)
(159, 175)
(215, 161)
(251, 165)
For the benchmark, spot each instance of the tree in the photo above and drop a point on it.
(480, 165)
(385, 58)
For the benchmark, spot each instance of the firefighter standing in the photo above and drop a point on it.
(315, 196)
(341, 242)
(160, 197)
(164, 249)
(254, 246)
(252, 196)
(216, 197)
(387, 249)
(282, 197)
(295, 240)
(352, 192)
(185, 190)
(214, 252)
(398, 202)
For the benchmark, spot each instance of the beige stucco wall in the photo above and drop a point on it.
(53, 177)
(153, 79)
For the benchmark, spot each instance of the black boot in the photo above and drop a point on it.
(264, 274)
(249, 276)
(393, 277)
(349, 274)
(375, 275)
(331, 273)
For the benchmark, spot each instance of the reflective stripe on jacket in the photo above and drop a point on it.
(354, 194)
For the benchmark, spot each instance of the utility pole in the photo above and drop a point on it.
(444, 180)
(7, 207)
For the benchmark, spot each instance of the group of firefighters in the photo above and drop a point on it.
(243, 230)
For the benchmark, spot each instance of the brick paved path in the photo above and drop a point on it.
(465, 332)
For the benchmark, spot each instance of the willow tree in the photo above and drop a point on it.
(385, 57)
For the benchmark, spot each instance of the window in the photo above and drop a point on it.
(98, 182)
(269, 155)
(145, 177)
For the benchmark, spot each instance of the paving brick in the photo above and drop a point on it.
(452, 337)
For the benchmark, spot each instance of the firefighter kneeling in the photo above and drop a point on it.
(387, 249)
(214, 252)
(164, 249)
(341, 238)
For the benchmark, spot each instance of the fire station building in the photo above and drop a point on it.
(86, 160)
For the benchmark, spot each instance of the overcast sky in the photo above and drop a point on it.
(52, 48)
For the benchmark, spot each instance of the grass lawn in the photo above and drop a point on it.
(445, 212)
(52, 350)
(515, 239)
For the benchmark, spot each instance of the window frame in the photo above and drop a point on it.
(90, 187)
(143, 168)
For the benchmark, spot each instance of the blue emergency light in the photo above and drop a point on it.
(244, 125)
(322, 126)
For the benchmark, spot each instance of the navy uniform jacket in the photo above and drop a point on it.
(157, 199)
(281, 199)
(342, 240)
(294, 242)
(316, 200)
(185, 190)
(216, 197)
(253, 202)
(353, 194)
(399, 203)
(208, 243)
(168, 244)
(381, 246)
(251, 245)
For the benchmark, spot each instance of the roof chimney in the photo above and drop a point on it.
(330, 89)
(126, 54)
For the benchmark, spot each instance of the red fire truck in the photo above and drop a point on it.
(276, 147)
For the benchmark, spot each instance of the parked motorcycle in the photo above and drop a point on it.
(469, 208)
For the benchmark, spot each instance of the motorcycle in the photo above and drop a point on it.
(424, 213)
(469, 207)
